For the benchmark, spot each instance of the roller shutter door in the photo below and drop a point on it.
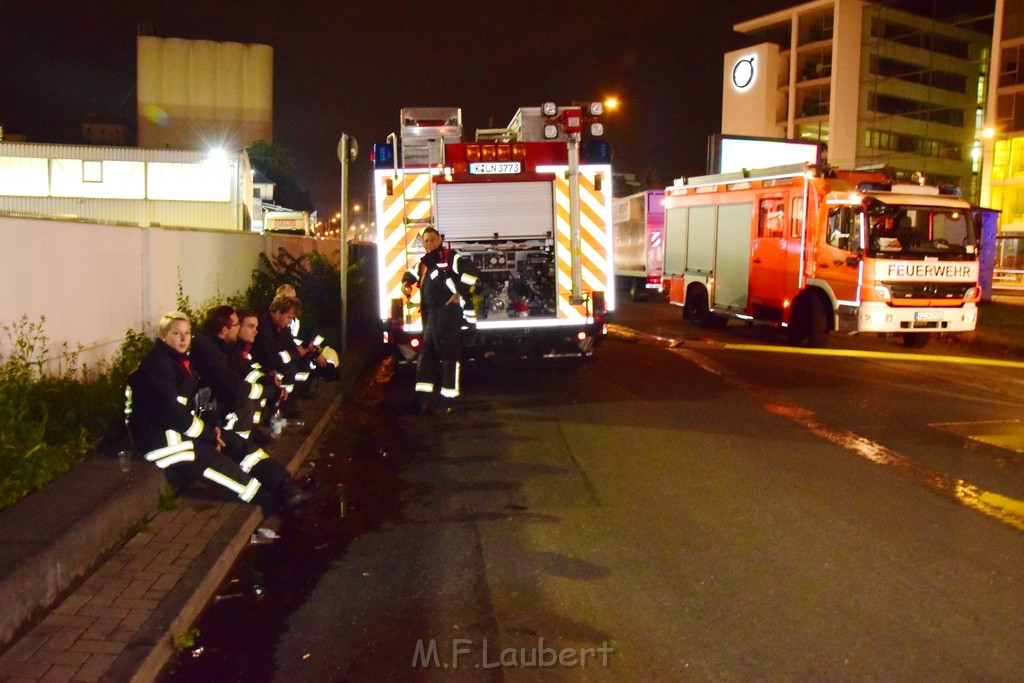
(475, 210)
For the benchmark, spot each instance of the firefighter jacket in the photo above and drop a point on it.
(274, 349)
(305, 336)
(244, 366)
(211, 357)
(161, 402)
(441, 273)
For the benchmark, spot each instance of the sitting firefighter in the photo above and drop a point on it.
(161, 414)
(238, 400)
(445, 278)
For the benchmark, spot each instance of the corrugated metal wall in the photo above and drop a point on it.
(50, 181)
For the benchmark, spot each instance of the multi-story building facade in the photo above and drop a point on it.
(1003, 134)
(877, 86)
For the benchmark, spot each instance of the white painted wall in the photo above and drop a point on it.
(94, 282)
(750, 92)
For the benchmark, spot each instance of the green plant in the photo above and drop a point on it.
(168, 500)
(187, 639)
(317, 281)
(54, 413)
(35, 449)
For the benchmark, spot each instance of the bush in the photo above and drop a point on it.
(50, 420)
(317, 282)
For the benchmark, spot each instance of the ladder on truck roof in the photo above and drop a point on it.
(425, 131)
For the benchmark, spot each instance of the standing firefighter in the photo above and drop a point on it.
(445, 278)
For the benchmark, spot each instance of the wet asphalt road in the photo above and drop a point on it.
(686, 513)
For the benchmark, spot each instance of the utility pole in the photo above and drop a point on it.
(348, 149)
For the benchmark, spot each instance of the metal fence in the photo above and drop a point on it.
(1009, 262)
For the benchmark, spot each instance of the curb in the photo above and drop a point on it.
(155, 646)
(42, 578)
(67, 543)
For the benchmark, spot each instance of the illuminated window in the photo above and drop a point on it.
(771, 217)
(92, 171)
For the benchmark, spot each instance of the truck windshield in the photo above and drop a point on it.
(920, 231)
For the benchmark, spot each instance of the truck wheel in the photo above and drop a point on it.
(810, 323)
(696, 308)
(915, 340)
(636, 292)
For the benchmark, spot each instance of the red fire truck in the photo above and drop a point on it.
(815, 249)
(530, 204)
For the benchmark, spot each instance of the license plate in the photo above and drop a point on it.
(928, 315)
(495, 167)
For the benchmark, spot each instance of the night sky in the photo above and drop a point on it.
(351, 66)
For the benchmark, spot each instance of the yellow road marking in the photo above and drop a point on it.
(883, 355)
(995, 505)
(627, 333)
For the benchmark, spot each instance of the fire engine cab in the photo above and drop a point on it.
(530, 204)
(816, 249)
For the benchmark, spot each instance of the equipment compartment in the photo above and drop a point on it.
(517, 279)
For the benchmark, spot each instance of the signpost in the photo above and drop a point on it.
(348, 149)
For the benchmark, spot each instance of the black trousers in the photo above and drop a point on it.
(437, 370)
(245, 470)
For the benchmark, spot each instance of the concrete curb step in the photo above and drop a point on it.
(54, 537)
(155, 644)
(121, 621)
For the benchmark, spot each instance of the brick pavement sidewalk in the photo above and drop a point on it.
(121, 622)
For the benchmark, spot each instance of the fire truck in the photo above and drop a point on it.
(530, 204)
(815, 249)
(638, 221)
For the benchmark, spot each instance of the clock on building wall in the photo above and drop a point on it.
(743, 73)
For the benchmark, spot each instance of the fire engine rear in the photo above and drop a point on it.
(530, 204)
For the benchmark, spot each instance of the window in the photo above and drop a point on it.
(92, 171)
(796, 225)
(922, 111)
(916, 73)
(839, 223)
(771, 218)
(919, 38)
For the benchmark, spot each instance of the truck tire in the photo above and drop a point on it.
(915, 340)
(696, 309)
(636, 291)
(810, 322)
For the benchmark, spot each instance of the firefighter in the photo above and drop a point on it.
(445, 278)
(274, 348)
(323, 360)
(238, 400)
(161, 414)
(243, 364)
